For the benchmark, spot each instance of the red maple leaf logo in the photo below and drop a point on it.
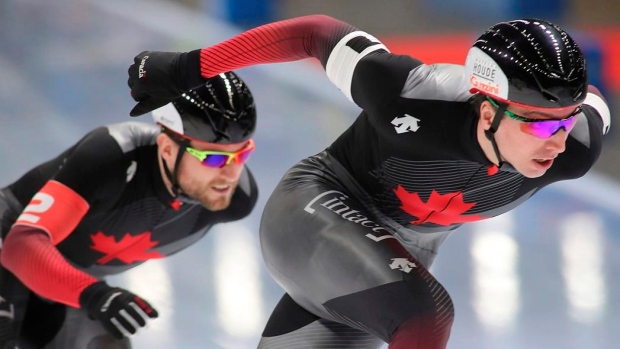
(129, 249)
(440, 209)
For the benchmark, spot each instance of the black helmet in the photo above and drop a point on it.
(530, 62)
(220, 111)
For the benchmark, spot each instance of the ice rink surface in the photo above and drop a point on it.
(546, 275)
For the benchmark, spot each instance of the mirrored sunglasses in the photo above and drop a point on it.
(542, 128)
(219, 159)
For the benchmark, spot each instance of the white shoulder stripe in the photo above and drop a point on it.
(343, 60)
(133, 134)
(599, 104)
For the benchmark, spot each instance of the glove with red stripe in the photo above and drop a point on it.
(157, 78)
(121, 312)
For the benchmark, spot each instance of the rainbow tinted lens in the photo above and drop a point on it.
(542, 128)
(547, 128)
(218, 159)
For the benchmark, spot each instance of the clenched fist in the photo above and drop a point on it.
(157, 78)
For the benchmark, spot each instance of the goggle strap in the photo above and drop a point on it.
(169, 175)
(499, 114)
(490, 133)
(174, 181)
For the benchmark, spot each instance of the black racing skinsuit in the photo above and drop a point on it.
(350, 233)
(131, 218)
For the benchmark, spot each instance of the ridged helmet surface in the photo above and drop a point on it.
(220, 111)
(530, 62)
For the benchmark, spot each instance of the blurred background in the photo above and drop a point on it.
(546, 275)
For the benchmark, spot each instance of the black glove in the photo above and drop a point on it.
(157, 78)
(117, 309)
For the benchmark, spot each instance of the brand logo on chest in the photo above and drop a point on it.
(406, 123)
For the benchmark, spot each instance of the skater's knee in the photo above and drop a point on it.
(429, 323)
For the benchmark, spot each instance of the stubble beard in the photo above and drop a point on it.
(211, 200)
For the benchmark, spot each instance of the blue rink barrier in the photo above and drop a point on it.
(490, 11)
(247, 13)
(551, 10)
